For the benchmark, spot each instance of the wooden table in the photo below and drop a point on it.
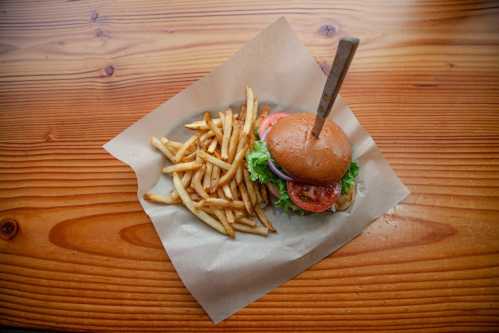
(424, 83)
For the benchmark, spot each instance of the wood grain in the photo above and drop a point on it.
(424, 83)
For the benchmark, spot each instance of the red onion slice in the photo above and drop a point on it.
(277, 172)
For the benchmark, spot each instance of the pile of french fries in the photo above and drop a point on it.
(209, 171)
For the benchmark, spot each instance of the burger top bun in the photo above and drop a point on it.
(310, 160)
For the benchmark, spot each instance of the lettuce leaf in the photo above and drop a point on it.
(348, 179)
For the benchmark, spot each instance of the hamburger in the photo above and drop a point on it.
(304, 173)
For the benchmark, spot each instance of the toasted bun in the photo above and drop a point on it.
(315, 161)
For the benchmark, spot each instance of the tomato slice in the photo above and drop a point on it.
(270, 121)
(313, 198)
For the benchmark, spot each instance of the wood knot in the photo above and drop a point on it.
(109, 70)
(94, 16)
(327, 30)
(8, 228)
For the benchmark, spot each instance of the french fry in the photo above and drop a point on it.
(179, 167)
(207, 176)
(186, 178)
(262, 231)
(250, 187)
(172, 145)
(234, 140)
(227, 177)
(263, 218)
(233, 190)
(264, 193)
(265, 110)
(194, 196)
(215, 174)
(227, 227)
(201, 124)
(196, 182)
(259, 199)
(246, 221)
(156, 143)
(213, 127)
(248, 121)
(213, 160)
(222, 203)
(239, 173)
(189, 204)
(239, 214)
(245, 197)
(206, 135)
(182, 150)
(163, 199)
(227, 192)
(213, 146)
(242, 113)
(189, 158)
(227, 130)
(228, 213)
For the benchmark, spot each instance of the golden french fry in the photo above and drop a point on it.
(264, 193)
(215, 174)
(206, 135)
(238, 160)
(255, 112)
(228, 228)
(245, 197)
(201, 124)
(242, 113)
(239, 172)
(265, 110)
(222, 203)
(156, 143)
(189, 158)
(189, 204)
(240, 213)
(172, 145)
(186, 178)
(195, 196)
(196, 182)
(182, 150)
(213, 160)
(250, 187)
(227, 192)
(207, 176)
(246, 221)
(262, 231)
(213, 146)
(227, 130)
(179, 167)
(228, 213)
(259, 199)
(263, 218)
(163, 199)
(211, 125)
(248, 121)
(233, 190)
(234, 140)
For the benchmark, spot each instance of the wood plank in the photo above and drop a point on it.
(424, 83)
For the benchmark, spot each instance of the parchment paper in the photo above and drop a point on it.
(225, 275)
